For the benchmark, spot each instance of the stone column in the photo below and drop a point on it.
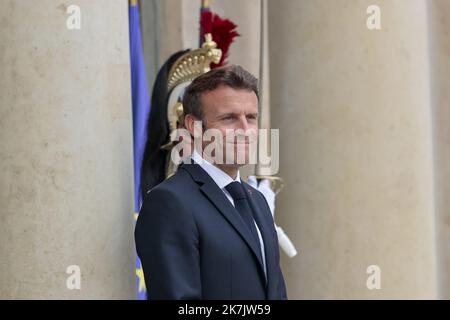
(440, 57)
(66, 156)
(354, 111)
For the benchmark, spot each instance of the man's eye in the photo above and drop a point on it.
(227, 118)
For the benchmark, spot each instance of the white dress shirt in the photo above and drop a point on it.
(222, 179)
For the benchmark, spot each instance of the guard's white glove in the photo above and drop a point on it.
(285, 243)
(264, 187)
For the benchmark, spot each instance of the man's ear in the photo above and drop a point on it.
(189, 121)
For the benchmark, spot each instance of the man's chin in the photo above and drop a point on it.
(233, 165)
(237, 162)
(232, 161)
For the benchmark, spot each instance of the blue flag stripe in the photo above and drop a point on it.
(141, 109)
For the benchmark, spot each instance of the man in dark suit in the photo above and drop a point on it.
(203, 233)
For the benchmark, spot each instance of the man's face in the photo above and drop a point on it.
(233, 112)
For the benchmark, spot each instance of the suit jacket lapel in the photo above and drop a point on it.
(269, 243)
(218, 198)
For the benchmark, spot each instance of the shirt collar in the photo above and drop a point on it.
(221, 178)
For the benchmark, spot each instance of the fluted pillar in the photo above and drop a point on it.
(440, 57)
(66, 151)
(354, 111)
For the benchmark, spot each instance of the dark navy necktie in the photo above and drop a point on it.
(241, 204)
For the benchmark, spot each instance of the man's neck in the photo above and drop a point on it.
(229, 170)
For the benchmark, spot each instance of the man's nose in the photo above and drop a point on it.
(243, 123)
